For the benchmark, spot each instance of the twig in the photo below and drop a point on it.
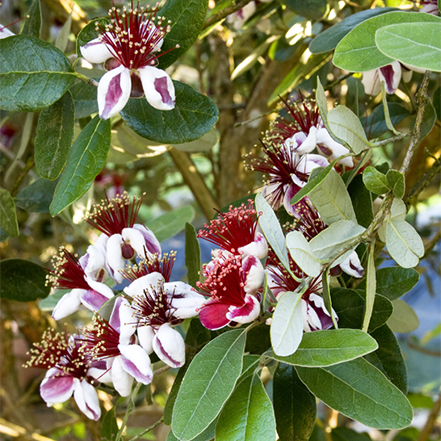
(432, 242)
(148, 429)
(427, 429)
(426, 351)
(28, 167)
(338, 81)
(423, 181)
(224, 12)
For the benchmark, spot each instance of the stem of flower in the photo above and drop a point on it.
(148, 429)
(130, 407)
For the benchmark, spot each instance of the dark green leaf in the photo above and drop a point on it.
(437, 102)
(358, 52)
(3, 235)
(258, 339)
(86, 159)
(89, 32)
(364, 393)
(325, 348)
(349, 305)
(197, 336)
(22, 280)
(294, 405)
(388, 357)
(192, 255)
(345, 434)
(54, 137)
(168, 408)
(193, 116)
(208, 383)
(109, 427)
(328, 40)
(311, 9)
(396, 182)
(375, 181)
(8, 215)
(33, 74)
(85, 99)
(375, 123)
(186, 20)
(361, 199)
(32, 24)
(169, 224)
(37, 196)
(393, 282)
(248, 414)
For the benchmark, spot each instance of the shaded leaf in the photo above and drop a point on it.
(22, 280)
(109, 426)
(312, 9)
(396, 182)
(169, 224)
(361, 199)
(375, 181)
(8, 215)
(85, 99)
(37, 196)
(192, 255)
(32, 24)
(404, 318)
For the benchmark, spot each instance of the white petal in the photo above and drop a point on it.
(371, 82)
(145, 337)
(323, 137)
(151, 243)
(251, 307)
(114, 91)
(308, 145)
(122, 381)
(136, 240)
(158, 88)
(352, 266)
(137, 363)
(169, 346)
(95, 51)
(68, 304)
(255, 274)
(114, 256)
(137, 287)
(5, 32)
(93, 262)
(56, 387)
(87, 400)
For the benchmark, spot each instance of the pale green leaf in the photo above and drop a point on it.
(169, 224)
(302, 253)
(404, 318)
(8, 215)
(371, 287)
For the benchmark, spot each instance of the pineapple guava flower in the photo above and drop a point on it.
(129, 45)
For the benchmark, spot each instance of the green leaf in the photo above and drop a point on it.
(258, 339)
(287, 324)
(328, 40)
(313, 182)
(85, 99)
(344, 124)
(294, 405)
(364, 393)
(393, 282)
(33, 74)
(396, 182)
(109, 427)
(193, 116)
(22, 280)
(86, 159)
(375, 124)
(192, 255)
(404, 318)
(248, 414)
(349, 306)
(371, 286)
(325, 348)
(358, 52)
(186, 20)
(206, 435)
(54, 137)
(311, 9)
(333, 239)
(32, 24)
(332, 199)
(388, 357)
(271, 229)
(171, 400)
(345, 434)
(403, 243)
(208, 383)
(375, 181)
(169, 224)
(8, 215)
(63, 37)
(361, 199)
(204, 144)
(37, 196)
(413, 44)
(49, 302)
(302, 253)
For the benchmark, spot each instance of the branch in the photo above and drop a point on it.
(427, 429)
(224, 13)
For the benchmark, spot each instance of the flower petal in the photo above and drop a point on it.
(121, 379)
(213, 315)
(56, 387)
(145, 338)
(169, 346)
(246, 313)
(114, 91)
(87, 400)
(136, 362)
(258, 248)
(93, 300)
(335, 149)
(95, 51)
(5, 32)
(391, 75)
(151, 243)
(158, 88)
(137, 287)
(254, 274)
(68, 304)
(352, 266)
(114, 256)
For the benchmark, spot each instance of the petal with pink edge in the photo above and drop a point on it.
(151, 243)
(114, 91)
(213, 315)
(246, 313)
(87, 400)
(93, 300)
(121, 379)
(169, 346)
(158, 88)
(391, 75)
(95, 51)
(57, 388)
(136, 362)
(258, 248)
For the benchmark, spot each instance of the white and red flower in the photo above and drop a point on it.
(129, 45)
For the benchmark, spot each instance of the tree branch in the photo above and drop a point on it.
(224, 13)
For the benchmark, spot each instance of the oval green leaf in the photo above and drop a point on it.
(86, 159)
(55, 131)
(375, 181)
(85, 99)
(404, 318)
(193, 116)
(248, 414)
(413, 44)
(192, 255)
(8, 215)
(325, 348)
(22, 280)
(364, 393)
(37, 196)
(33, 74)
(207, 384)
(302, 253)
